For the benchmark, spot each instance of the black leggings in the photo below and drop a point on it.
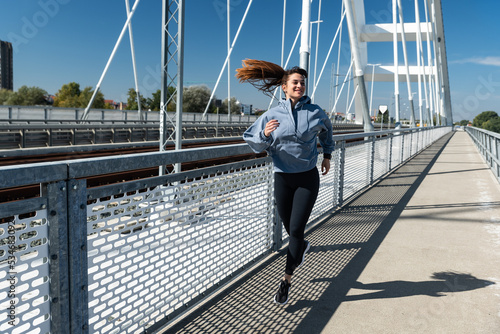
(295, 195)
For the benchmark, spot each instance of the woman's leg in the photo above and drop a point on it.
(283, 194)
(307, 187)
(295, 197)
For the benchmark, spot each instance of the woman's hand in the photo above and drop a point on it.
(325, 166)
(270, 127)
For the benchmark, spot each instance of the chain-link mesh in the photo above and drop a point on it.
(357, 167)
(381, 158)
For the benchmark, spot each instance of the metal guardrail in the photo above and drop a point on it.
(33, 133)
(68, 114)
(13, 136)
(128, 257)
(488, 144)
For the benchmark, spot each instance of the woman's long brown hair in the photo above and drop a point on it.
(264, 75)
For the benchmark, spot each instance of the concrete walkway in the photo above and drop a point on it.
(417, 253)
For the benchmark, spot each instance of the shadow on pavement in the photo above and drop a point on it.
(341, 248)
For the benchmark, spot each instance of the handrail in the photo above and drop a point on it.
(488, 145)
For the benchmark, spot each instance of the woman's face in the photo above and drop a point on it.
(295, 87)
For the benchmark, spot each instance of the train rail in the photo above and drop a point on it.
(44, 155)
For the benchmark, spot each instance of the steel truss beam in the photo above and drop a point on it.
(172, 58)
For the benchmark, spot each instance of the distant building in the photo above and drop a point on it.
(6, 66)
(116, 105)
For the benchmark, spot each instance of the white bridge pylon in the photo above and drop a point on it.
(430, 71)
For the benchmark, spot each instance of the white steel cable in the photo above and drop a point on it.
(327, 56)
(283, 36)
(118, 42)
(227, 59)
(420, 56)
(341, 88)
(352, 100)
(407, 71)
(132, 49)
(315, 83)
(286, 64)
(397, 112)
(429, 64)
(342, 12)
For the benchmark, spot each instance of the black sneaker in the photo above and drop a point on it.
(281, 297)
(307, 245)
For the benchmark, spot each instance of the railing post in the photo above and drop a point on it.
(78, 267)
(490, 150)
(372, 158)
(494, 153)
(58, 254)
(411, 144)
(341, 173)
(402, 146)
(23, 138)
(389, 162)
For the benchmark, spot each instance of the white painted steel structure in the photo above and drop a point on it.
(430, 70)
(400, 33)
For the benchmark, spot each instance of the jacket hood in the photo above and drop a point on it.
(286, 103)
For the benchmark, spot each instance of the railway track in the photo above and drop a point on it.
(31, 191)
(38, 156)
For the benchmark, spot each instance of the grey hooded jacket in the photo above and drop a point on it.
(293, 145)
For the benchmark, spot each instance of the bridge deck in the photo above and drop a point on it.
(417, 253)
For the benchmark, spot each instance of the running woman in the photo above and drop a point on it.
(288, 133)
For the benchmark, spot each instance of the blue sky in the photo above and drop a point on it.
(60, 41)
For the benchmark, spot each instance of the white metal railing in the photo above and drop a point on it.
(488, 144)
(128, 257)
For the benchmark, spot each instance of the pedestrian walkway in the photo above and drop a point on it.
(419, 252)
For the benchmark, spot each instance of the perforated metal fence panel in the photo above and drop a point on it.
(24, 273)
(153, 251)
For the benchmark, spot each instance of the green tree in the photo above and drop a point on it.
(235, 106)
(492, 124)
(154, 102)
(5, 95)
(195, 98)
(25, 96)
(67, 96)
(86, 95)
(70, 96)
(132, 100)
(483, 117)
(382, 118)
(14, 100)
(32, 96)
(463, 122)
